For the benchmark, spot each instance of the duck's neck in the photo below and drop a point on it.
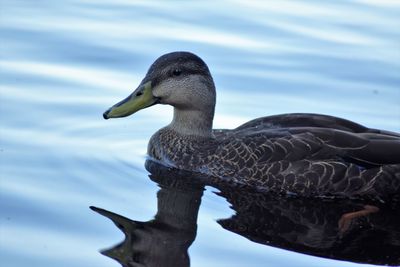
(193, 122)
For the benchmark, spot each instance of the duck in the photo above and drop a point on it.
(298, 154)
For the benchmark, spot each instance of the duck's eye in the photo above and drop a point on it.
(176, 72)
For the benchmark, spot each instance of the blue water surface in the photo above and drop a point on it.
(63, 63)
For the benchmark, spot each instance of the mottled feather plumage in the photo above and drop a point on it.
(306, 161)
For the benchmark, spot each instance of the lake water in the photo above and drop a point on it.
(63, 63)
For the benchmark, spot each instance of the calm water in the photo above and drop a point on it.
(64, 62)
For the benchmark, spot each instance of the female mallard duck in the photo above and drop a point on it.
(302, 154)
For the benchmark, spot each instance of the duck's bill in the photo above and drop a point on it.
(141, 98)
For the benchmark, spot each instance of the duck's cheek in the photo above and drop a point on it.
(163, 92)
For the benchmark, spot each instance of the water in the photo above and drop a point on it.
(63, 63)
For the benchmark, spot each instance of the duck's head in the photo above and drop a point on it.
(180, 79)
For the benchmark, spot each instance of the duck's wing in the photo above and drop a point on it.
(311, 143)
(313, 136)
(295, 120)
(365, 148)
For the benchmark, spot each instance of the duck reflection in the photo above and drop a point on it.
(310, 226)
